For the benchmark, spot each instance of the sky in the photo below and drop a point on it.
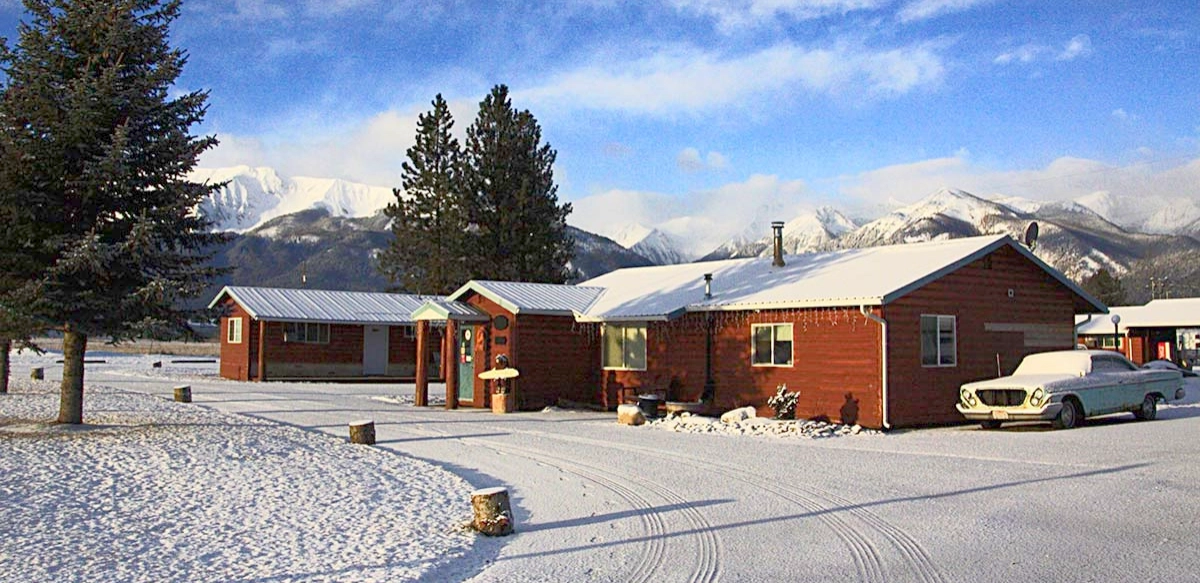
(667, 108)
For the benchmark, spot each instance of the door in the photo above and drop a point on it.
(466, 363)
(375, 350)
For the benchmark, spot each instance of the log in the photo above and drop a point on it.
(630, 415)
(37, 374)
(183, 394)
(493, 514)
(362, 432)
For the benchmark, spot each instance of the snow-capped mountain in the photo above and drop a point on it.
(816, 230)
(946, 214)
(659, 247)
(253, 196)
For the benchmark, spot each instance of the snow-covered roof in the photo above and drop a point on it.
(1175, 313)
(333, 307)
(533, 298)
(850, 277)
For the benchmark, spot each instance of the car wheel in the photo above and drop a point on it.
(990, 424)
(1149, 409)
(1069, 416)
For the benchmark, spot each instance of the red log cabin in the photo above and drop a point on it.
(285, 334)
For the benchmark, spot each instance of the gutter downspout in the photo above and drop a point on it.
(883, 326)
(1080, 325)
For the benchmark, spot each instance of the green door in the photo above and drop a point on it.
(466, 363)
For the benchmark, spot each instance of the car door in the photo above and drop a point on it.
(1113, 385)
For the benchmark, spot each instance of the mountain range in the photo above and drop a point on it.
(327, 231)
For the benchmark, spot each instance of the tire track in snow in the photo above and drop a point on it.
(825, 504)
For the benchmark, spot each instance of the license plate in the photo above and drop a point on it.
(999, 414)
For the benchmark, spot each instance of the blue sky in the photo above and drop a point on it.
(663, 105)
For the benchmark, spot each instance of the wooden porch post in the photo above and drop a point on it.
(450, 362)
(262, 351)
(421, 399)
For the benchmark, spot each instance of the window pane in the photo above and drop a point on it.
(783, 344)
(946, 340)
(762, 345)
(325, 333)
(612, 346)
(635, 347)
(929, 340)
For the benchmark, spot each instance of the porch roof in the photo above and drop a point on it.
(332, 307)
(440, 310)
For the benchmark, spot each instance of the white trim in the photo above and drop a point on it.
(230, 336)
(791, 357)
(883, 334)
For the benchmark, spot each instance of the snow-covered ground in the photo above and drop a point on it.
(1113, 500)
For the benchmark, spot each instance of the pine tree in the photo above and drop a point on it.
(429, 221)
(96, 156)
(1105, 287)
(519, 229)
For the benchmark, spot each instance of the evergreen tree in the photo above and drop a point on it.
(96, 156)
(519, 229)
(429, 221)
(1105, 287)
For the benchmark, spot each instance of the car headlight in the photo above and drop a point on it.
(967, 398)
(1037, 397)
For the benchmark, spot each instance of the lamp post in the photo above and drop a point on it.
(1116, 319)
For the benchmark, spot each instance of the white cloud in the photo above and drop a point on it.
(926, 9)
(689, 160)
(737, 14)
(1078, 46)
(688, 79)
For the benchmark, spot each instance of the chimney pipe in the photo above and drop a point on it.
(777, 227)
(708, 286)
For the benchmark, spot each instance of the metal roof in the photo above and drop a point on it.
(334, 307)
(850, 277)
(448, 310)
(533, 298)
(1176, 313)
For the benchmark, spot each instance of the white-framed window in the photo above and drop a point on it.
(409, 331)
(306, 332)
(233, 335)
(624, 346)
(771, 344)
(939, 340)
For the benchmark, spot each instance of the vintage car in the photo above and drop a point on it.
(1064, 387)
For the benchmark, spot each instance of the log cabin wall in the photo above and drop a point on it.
(236, 358)
(1037, 316)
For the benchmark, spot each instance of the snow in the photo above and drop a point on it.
(171, 492)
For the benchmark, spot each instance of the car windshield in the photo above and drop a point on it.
(1072, 362)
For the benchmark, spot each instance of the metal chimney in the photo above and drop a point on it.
(708, 286)
(777, 227)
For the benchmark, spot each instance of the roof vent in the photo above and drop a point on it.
(708, 286)
(777, 227)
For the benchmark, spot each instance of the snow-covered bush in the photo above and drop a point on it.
(784, 402)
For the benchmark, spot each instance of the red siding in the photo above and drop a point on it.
(235, 358)
(558, 359)
(976, 294)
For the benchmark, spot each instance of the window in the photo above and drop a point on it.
(234, 333)
(1110, 364)
(939, 341)
(624, 346)
(409, 331)
(771, 344)
(306, 332)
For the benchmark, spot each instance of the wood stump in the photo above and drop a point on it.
(183, 394)
(362, 432)
(493, 514)
(37, 374)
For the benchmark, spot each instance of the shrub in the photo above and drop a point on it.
(784, 402)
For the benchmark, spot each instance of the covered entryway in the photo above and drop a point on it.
(461, 322)
(466, 363)
(375, 350)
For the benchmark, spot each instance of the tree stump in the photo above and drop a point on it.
(183, 394)
(362, 432)
(493, 515)
(37, 374)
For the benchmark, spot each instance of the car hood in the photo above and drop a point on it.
(1032, 381)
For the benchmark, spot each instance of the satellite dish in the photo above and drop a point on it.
(1031, 235)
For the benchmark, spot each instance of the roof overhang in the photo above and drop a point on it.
(442, 311)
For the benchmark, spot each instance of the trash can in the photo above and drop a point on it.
(649, 405)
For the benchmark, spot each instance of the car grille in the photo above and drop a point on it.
(1001, 397)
